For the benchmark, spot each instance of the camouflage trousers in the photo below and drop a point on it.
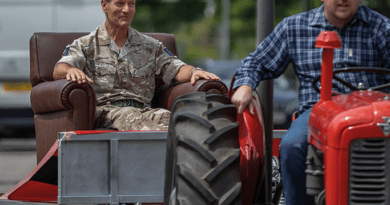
(131, 118)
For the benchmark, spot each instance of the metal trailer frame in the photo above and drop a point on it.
(111, 168)
(140, 154)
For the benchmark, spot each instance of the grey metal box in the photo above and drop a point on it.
(111, 168)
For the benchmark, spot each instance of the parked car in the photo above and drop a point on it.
(15, 32)
(285, 94)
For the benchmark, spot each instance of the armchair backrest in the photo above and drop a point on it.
(47, 48)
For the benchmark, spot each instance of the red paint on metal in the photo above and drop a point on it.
(336, 121)
(34, 191)
(275, 147)
(327, 74)
(329, 119)
(328, 40)
(251, 139)
(334, 124)
(86, 132)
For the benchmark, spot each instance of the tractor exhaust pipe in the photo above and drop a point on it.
(328, 40)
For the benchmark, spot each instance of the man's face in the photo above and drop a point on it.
(119, 13)
(340, 12)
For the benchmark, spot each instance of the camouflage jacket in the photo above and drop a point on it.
(122, 74)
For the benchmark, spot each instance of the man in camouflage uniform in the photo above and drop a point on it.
(122, 64)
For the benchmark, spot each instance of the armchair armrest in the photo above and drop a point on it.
(166, 95)
(61, 95)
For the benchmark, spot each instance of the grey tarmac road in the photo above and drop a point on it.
(17, 160)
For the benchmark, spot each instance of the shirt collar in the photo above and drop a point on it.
(361, 15)
(317, 17)
(133, 37)
(104, 38)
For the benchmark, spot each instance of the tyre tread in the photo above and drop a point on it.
(204, 162)
(220, 132)
(201, 120)
(229, 197)
(197, 183)
(220, 109)
(196, 147)
(222, 165)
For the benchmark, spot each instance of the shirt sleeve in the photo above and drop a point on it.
(384, 46)
(268, 61)
(73, 55)
(167, 65)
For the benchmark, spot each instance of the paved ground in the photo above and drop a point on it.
(17, 160)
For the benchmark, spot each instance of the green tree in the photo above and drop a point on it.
(243, 19)
(381, 6)
(197, 35)
(165, 15)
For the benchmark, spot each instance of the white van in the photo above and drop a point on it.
(19, 19)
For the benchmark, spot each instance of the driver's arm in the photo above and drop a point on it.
(242, 98)
(384, 47)
(269, 61)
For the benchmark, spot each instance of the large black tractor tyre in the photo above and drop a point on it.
(202, 162)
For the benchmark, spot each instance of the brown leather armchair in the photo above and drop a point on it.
(64, 106)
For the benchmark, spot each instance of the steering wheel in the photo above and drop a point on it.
(355, 69)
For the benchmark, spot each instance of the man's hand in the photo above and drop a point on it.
(65, 71)
(186, 74)
(77, 75)
(199, 74)
(243, 98)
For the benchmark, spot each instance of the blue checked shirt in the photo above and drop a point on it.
(365, 43)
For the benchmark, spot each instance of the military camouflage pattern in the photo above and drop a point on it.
(127, 74)
(125, 103)
(122, 74)
(130, 118)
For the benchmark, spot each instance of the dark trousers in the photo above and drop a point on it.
(293, 152)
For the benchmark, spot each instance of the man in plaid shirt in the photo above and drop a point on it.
(364, 35)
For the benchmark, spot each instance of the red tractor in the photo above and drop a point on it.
(346, 162)
(347, 157)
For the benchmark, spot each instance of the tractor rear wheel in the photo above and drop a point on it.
(202, 162)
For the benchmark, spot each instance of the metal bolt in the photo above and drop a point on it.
(361, 86)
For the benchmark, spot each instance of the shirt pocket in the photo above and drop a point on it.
(362, 56)
(140, 57)
(144, 72)
(143, 81)
(104, 74)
